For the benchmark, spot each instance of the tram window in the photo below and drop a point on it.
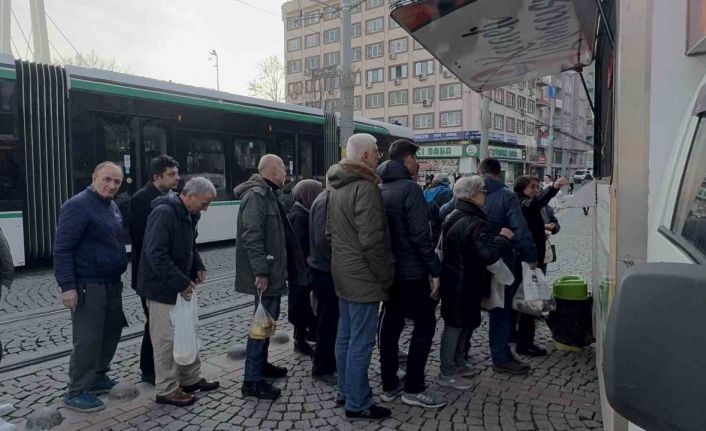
(690, 214)
(306, 158)
(10, 178)
(200, 154)
(7, 114)
(154, 141)
(246, 156)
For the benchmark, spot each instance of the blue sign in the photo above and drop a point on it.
(468, 135)
(551, 92)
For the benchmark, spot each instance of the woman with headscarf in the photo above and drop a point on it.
(301, 315)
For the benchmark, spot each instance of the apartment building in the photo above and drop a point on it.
(398, 81)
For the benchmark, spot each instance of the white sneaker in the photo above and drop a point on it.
(389, 396)
(456, 382)
(424, 399)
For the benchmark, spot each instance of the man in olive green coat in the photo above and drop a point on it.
(362, 267)
(265, 251)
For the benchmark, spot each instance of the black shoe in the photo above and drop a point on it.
(303, 347)
(262, 390)
(531, 351)
(372, 412)
(340, 400)
(329, 379)
(513, 366)
(270, 371)
(202, 385)
(149, 379)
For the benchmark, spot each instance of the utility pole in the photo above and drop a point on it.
(5, 27)
(347, 82)
(485, 124)
(214, 54)
(550, 147)
(39, 30)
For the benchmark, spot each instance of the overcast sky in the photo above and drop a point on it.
(166, 39)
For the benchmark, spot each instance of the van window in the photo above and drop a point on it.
(690, 213)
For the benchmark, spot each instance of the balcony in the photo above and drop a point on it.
(542, 99)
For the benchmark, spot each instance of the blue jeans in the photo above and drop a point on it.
(500, 327)
(256, 350)
(357, 325)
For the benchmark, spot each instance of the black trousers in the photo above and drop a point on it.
(146, 351)
(300, 313)
(409, 299)
(525, 323)
(97, 325)
(326, 323)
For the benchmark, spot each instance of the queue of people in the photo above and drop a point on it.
(357, 257)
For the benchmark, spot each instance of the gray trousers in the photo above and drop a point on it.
(452, 352)
(97, 324)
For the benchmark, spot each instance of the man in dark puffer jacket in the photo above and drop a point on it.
(411, 294)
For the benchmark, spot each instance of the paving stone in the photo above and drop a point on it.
(44, 418)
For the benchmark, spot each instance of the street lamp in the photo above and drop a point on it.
(215, 55)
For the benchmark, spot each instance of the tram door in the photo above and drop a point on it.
(286, 148)
(116, 140)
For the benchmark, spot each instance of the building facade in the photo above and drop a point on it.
(398, 81)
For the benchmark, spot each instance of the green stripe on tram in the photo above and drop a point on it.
(7, 73)
(224, 203)
(13, 214)
(119, 90)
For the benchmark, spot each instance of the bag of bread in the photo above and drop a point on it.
(263, 326)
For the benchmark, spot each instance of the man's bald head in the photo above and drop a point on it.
(271, 167)
(362, 147)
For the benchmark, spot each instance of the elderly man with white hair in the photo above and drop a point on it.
(266, 250)
(170, 266)
(362, 268)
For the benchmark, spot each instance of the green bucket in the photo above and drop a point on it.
(571, 287)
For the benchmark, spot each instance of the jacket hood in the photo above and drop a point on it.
(172, 199)
(256, 182)
(392, 170)
(346, 172)
(430, 195)
(491, 185)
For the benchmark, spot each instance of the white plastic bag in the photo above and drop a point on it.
(263, 326)
(534, 284)
(502, 276)
(532, 307)
(185, 320)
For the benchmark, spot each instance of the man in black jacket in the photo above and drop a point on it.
(171, 266)
(164, 172)
(413, 293)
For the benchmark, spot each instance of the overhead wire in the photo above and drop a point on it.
(22, 33)
(66, 38)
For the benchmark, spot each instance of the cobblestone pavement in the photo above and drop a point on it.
(561, 393)
(39, 323)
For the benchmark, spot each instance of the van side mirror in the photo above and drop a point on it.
(655, 347)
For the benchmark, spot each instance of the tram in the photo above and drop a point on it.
(649, 250)
(57, 123)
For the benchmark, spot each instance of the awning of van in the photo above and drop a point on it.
(492, 43)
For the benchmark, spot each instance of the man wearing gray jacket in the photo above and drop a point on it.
(265, 251)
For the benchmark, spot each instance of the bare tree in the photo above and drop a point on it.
(94, 61)
(269, 83)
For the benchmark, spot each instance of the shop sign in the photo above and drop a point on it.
(440, 151)
(436, 137)
(505, 153)
(471, 150)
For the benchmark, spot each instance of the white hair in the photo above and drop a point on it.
(466, 187)
(359, 144)
(198, 186)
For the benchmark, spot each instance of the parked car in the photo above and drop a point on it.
(582, 175)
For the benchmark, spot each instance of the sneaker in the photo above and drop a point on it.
(456, 382)
(329, 379)
(202, 385)
(262, 390)
(340, 400)
(465, 370)
(532, 350)
(177, 398)
(372, 413)
(102, 385)
(85, 403)
(424, 399)
(270, 371)
(389, 396)
(513, 366)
